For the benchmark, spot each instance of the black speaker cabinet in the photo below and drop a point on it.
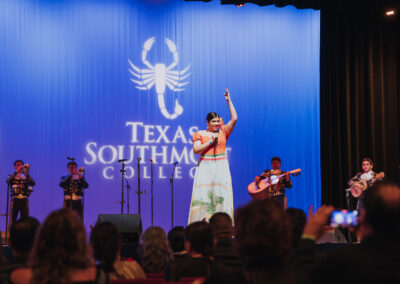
(130, 226)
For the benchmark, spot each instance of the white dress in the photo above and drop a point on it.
(212, 186)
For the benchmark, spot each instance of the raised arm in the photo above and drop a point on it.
(231, 124)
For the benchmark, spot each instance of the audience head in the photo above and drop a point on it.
(156, 252)
(263, 232)
(59, 248)
(105, 240)
(199, 239)
(176, 239)
(298, 220)
(382, 207)
(22, 235)
(221, 225)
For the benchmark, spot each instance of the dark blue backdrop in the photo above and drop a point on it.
(66, 90)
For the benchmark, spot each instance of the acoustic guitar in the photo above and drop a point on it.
(268, 187)
(358, 187)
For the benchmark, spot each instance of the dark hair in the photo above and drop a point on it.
(176, 239)
(263, 231)
(367, 160)
(72, 164)
(16, 161)
(298, 220)
(200, 237)
(59, 248)
(382, 206)
(276, 159)
(156, 253)
(105, 240)
(211, 116)
(221, 225)
(22, 234)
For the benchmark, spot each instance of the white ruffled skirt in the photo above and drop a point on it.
(212, 188)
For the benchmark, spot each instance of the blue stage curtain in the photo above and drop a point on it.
(66, 90)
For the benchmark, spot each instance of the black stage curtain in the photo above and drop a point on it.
(359, 98)
(370, 5)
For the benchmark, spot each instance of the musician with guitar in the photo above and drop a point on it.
(279, 182)
(20, 184)
(363, 180)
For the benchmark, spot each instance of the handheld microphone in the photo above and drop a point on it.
(122, 160)
(216, 141)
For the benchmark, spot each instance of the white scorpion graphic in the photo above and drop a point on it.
(161, 76)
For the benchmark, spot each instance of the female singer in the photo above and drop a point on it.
(212, 187)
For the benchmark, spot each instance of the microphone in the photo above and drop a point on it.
(139, 159)
(216, 141)
(71, 159)
(122, 160)
(175, 163)
(151, 160)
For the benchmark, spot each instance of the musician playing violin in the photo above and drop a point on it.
(279, 194)
(363, 180)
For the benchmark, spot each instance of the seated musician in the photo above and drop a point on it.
(363, 180)
(280, 188)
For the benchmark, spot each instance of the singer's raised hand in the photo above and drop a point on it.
(231, 124)
(227, 95)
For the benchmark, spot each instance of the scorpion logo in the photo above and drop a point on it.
(161, 76)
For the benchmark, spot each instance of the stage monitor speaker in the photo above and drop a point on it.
(332, 236)
(130, 226)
